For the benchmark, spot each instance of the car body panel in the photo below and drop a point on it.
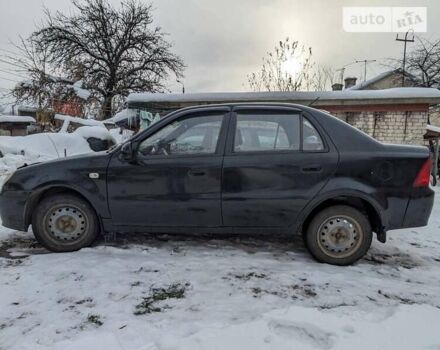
(269, 189)
(236, 192)
(149, 191)
(71, 173)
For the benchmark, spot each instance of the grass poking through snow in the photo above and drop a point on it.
(149, 304)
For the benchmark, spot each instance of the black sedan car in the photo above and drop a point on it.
(234, 168)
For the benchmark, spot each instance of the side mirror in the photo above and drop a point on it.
(126, 151)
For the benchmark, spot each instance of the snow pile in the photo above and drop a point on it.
(40, 147)
(69, 119)
(96, 132)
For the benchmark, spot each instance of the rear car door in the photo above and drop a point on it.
(175, 179)
(277, 159)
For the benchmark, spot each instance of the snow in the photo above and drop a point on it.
(41, 147)
(373, 80)
(432, 128)
(394, 93)
(96, 132)
(245, 293)
(122, 115)
(121, 135)
(80, 91)
(15, 119)
(82, 121)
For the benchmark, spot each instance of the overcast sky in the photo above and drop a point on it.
(221, 41)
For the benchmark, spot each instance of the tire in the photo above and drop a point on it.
(339, 235)
(64, 223)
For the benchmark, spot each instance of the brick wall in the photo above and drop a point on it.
(391, 127)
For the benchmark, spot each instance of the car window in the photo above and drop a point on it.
(267, 132)
(312, 141)
(193, 135)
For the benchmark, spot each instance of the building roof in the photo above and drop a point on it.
(380, 77)
(319, 98)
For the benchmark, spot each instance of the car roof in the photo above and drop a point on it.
(233, 105)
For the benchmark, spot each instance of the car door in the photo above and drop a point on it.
(276, 161)
(174, 179)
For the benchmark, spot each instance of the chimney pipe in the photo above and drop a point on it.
(349, 82)
(337, 87)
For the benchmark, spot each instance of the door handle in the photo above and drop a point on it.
(315, 168)
(197, 172)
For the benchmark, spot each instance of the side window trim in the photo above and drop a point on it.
(221, 142)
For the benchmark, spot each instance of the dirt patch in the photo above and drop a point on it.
(396, 260)
(250, 275)
(295, 291)
(23, 246)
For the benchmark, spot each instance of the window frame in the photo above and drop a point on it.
(221, 142)
(261, 110)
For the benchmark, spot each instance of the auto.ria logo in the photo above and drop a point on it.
(384, 19)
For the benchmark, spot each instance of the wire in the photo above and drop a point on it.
(12, 64)
(14, 81)
(9, 51)
(12, 73)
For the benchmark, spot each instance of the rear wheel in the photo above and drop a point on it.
(64, 223)
(339, 235)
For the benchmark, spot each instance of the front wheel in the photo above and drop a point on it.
(64, 223)
(339, 235)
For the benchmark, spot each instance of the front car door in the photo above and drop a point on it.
(175, 177)
(276, 161)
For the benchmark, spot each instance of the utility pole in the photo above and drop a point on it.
(365, 62)
(406, 40)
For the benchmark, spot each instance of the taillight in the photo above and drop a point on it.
(424, 174)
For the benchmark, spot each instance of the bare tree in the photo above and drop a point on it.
(423, 63)
(116, 50)
(323, 78)
(39, 86)
(275, 73)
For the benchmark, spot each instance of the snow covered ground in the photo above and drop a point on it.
(166, 292)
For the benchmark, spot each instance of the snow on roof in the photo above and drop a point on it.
(16, 119)
(432, 128)
(27, 108)
(379, 77)
(124, 114)
(372, 80)
(394, 93)
(86, 122)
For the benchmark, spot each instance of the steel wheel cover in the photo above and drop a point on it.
(340, 236)
(66, 223)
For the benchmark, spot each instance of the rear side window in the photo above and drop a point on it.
(312, 141)
(267, 133)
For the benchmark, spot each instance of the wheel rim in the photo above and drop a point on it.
(340, 236)
(66, 223)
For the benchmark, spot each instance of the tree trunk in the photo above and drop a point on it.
(106, 108)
